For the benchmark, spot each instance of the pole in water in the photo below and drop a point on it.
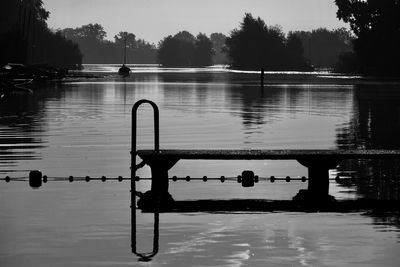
(262, 78)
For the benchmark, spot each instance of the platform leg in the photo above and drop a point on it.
(158, 198)
(318, 180)
(159, 181)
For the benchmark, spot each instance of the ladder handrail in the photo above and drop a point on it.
(143, 256)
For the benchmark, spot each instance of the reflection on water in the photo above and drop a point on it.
(83, 128)
(21, 134)
(374, 124)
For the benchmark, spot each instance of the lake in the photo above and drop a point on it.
(82, 127)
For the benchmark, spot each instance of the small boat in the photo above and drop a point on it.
(124, 70)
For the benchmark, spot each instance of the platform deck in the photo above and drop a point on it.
(276, 154)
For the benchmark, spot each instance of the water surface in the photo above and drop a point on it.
(82, 127)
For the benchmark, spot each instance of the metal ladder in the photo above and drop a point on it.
(143, 256)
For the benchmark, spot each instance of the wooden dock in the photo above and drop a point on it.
(318, 162)
(276, 154)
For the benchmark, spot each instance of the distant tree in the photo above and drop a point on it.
(255, 45)
(138, 50)
(323, 46)
(294, 52)
(92, 32)
(123, 37)
(376, 24)
(185, 36)
(203, 51)
(218, 41)
(168, 49)
(294, 45)
(91, 40)
(70, 34)
(96, 49)
(144, 53)
(185, 50)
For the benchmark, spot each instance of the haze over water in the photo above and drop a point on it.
(83, 128)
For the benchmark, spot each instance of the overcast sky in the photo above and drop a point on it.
(154, 19)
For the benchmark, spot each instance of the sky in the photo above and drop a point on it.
(152, 20)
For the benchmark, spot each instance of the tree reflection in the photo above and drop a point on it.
(20, 130)
(375, 124)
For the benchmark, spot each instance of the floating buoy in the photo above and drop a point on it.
(247, 178)
(303, 179)
(337, 178)
(35, 179)
(8, 179)
(272, 179)
(71, 179)
(222, 179)
(44, 178)
(174, 178)
(137, 178)
(120, 178)
(256, 178)
(287, 179)
(239, 179)
(87, 179)
(187, 178)
(204, 178)
(103, 178)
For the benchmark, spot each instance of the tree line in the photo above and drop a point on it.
(254, 45)
(96, 49)
(181, 50)
(25, 37)
(371, 48)
(323, 47)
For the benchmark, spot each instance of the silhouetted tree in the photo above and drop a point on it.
(90, 38)
(25, 37)
(92, 32)
(168, 48)
(177, 51)
(322, 47)
(376, 24)
(184, 50)
(294, 52)
(255, 45)
(185, 36)
(125, 37)
(203, 51)
(96, 49)
(218, 41)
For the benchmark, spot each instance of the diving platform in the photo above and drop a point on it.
(318, 162)
(264, 154)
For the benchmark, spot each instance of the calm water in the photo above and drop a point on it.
(82, 127)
